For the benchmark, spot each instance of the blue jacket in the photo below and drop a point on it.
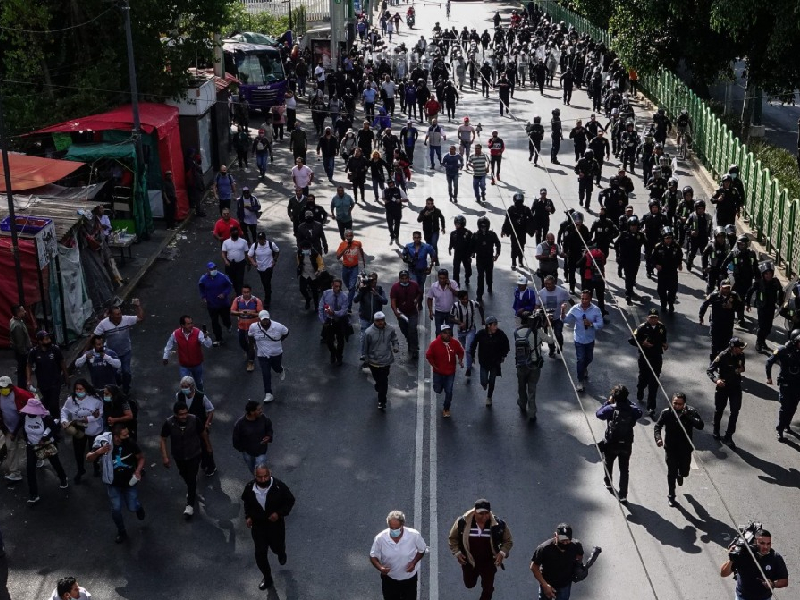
(329, 298)
(584, 335)
(382, 120)
(211, 288)
(524, 300)
(418, 260)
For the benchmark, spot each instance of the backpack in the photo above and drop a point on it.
(524, 355)
(620, 427)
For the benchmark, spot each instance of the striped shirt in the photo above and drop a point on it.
(466, 313)
(479, 163)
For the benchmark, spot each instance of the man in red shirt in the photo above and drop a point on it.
(496, 148)
(432, 108)
(406, 299)
(442, 355)
(222, 228)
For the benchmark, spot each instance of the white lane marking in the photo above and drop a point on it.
(433, 541)
(420, 437)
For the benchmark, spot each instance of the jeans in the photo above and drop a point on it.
(117, 495)
(187, 469)
(222, 313)
(235, 271)
(444, 383)
(269, 364)
(328, 165)
(488, 375)
(343, 225)
(261, 162)
(409, 329)
(452, 186)
(433, 240)
(584, 353)
(195, 372)
(420, 275)
(561, 593)
(244, 344)
(251, 461)
(350, 280)
(435, 150)
(465, 339)
(440, 317)
(479, 187)
(125, 369)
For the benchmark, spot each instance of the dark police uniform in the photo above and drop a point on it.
(768, 297)
(648, 377)
(788, 357)
(723, 312)
(669, 257)
(728, 367)
(677, 445)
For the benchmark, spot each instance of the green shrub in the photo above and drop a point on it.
(781, 163)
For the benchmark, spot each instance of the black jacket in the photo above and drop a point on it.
(676, 440)
(279, 500)
(492, 349)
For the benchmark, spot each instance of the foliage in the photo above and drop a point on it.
(60, 59)
(781, 164)
(240, 20)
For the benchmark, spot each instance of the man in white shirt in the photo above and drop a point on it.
(263, 255)
(267, 336)
(68, 589)
(234, 254)
(115, 328)
(388, 86)
(395, 552)
(302, 175)
(441, 297)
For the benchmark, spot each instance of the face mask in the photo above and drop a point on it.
(404, 283)
(106, 398)
(213, 272)
(186, 391)
(734, 175)
(234, 236)
(395, 533)
(5, 391)
(80, 395)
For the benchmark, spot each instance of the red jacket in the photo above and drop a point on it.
(190, 352)
(442, 358)
(21, 398)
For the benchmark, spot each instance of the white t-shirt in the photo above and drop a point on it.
(84, 409)
(319, 73)
(264, 255)
(268, 341)
(236, 249)
(397, 555)
(118, 337)
(389, 87)
(302, 176)
(82, 594)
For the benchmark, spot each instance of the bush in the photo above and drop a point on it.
(781, 163)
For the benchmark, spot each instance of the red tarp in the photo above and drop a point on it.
(161, 118)
(9, 295)
(29, 172)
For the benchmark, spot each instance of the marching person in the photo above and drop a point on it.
(554, 562)
(332, 313)
(588, 320)
(442, 354)
(246, 308)
(724, 304)
(440, 299)
(115, 328)
(102, 363)
(185, 433)
(463, 315)
(678, 424)
(82, 418)
(650, 338)
(480, 542)
(201, 407)
(122, 463)
(214, 288)
(529, 362)
(267, 336)
(617, 442)
(788, 357)
(12, 400)
(492, 347)
(190, 342)
(725, 371)
(39, 430)
(267, 502)
(396, 552)
(406, 298)
(46, 361)
(768, 299)
(380, 346)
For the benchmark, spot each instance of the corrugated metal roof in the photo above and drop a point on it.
(63, 211)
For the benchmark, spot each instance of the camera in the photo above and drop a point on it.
(746, 537)
(363, 279)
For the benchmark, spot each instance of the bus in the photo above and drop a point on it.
(259, 70)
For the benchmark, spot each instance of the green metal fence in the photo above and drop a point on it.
(772, 215)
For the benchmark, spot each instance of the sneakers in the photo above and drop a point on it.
(446, 413)
(64, 484)
(251, 366)
(671, 501)
(728, 441)
(13, 477)
(268, 398)
(283, 373)
(140, 514)
(33, 500)
(381, 405)
(188, 512)
(652, 414)
(121, 537)
(489, 402)
(623, 500)
(579, 387)
(210, 472)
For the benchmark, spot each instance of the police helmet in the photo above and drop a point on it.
(743, 239)
(726, 177)
(683, 111)
(614, 181)
(765, 266)
(730, 229)
(673, 181)
(629, 123)
(700, 204)
(653, 203)
(614, 111)
(688, 190)
(460, 220)
(633, 220)
(556, 112)
(664, 160)
(719, 230)
(483, 223)
(537, 119)
(577, 217)
(589, 153)
(666, 231)
(795, 335)
(733, 169)
(519, 197)
(662, 111)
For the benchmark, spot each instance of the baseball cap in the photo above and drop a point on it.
(482, 505)
(564, 532)
(264, 314)
(211, 265)
(522, 280)
(379, 315)
(445, 327)
(5, 381)
(491, 320)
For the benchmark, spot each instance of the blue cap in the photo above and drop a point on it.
(211, 265)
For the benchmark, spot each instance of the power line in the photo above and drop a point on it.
(47, 31)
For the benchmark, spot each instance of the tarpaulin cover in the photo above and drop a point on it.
(159, 118)
(77, 305)
(28, 172)
(9, 295)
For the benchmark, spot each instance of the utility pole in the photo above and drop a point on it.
(11, 214)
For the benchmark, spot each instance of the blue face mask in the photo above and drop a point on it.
(107, 398)
(186, 391)
(404, 283)
(80, 395)
(395, 533)
(213, 272)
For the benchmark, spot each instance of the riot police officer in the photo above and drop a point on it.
(714, 257)
(541, 209)
(724, 304)
(788, 357)
(518, 220)
(614, 199)
(586, 168)
(629, 255)
(556, 135)
(683, 212)
(725, 199)
(535, 133)
(768, 296)
(629, 144)
(667, 260)
(670, 199)
(742, 261)
(648, 158)
(657, 184)
(603, 232)
(461, 249)
(650, 338)
(485, 251)
(652, 224)
(698, 232)
(725, 371)
(573, 235)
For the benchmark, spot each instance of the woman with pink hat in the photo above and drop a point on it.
(39, 430)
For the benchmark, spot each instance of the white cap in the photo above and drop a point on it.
(522, 280)
(446, 327)
(379, 315)
(5, 381)
(264, 314)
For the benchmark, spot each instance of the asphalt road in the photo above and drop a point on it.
(349, 464)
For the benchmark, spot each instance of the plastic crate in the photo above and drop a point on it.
(26, 224)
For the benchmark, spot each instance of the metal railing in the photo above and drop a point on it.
(772, 215)
(316, 11)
